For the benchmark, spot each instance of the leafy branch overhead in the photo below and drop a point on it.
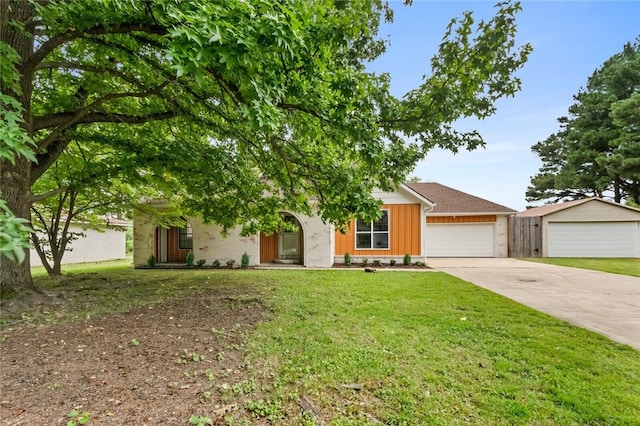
(239, 109)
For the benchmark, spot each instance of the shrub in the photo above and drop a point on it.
(420, 264)
(216, 263)
(151, 261)
(347, 259)
(392, 262)
(377, 263)
(407, 259)
(364, 262)
(244, 262)
(190, 259)
(230, 263)
(201, 262)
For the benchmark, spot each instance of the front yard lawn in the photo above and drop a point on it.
(298, 347)
(623, 266)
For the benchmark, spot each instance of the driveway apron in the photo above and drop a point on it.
(606, 303)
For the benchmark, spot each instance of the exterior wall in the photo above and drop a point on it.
(594, 211)
(405, 235)
(95, 246)
(318, 241)
(144, 231)
(210, 245)
(462, 219)
(501, 237)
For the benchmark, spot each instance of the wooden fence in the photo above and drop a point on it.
(525, 236)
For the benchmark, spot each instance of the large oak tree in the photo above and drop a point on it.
(241, 108)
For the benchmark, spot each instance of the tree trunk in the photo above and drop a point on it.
(15, 278)
(15, 179)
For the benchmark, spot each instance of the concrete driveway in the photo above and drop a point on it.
(606, 303)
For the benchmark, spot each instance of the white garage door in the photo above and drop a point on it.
(593, 239)
(460, 240)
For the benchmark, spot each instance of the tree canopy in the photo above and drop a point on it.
(597, 150)
(239, 109)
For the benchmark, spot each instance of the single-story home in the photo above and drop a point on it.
(95, 245)
(591, 227)
(419, 219)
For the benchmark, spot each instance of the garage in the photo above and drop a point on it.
(460, 240)
(591, 227)
(593, 239)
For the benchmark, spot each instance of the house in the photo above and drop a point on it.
(591, 227)
(463, 225)
(419, 219)
(94, 245)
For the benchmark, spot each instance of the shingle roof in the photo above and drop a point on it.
(552, 208)
(449, 200)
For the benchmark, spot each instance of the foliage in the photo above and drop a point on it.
(364, 262)
(151, 261)
(216, 263)
(200, 420)
(407, 259)
(392, 262)
(13, 234)
(190, 258)
(597, 150)
(347, 259)
(244, 261)
(230, 263)
(201, 262)
(257, 98)
(77, 418)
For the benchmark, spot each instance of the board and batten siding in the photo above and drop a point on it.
(405, 233)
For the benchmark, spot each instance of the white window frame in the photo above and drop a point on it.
(372, 233)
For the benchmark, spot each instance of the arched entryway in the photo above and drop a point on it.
(285, 246)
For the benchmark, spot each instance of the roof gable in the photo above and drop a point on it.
(452, 201)
(555, 208)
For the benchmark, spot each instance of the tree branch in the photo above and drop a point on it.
(57, 40)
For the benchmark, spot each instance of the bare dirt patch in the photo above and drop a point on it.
(157, 364)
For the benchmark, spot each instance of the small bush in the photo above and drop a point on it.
(377, 263)
(347, 259)
(392, 262)
(364, 262)
(190, 259)
(151, 261)
(230, 263)
(216, 263)
(407, 259)
(201, 262)
(244, 262)
(420, 264)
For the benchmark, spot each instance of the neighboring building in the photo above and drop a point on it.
(591, 227)
(97, 245)
(422, 220)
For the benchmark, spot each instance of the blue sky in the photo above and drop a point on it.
(570, 40)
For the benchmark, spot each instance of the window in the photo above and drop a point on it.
(185, 238)
(373, 235)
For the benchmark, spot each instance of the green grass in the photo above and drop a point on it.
(623, 266)
(423, 348)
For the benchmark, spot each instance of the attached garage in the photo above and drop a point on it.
(588, 228)
(461, 240)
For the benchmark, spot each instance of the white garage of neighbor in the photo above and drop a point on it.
(591, 227)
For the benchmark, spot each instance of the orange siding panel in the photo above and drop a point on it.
(404, 234)
(462, 219)
(268, 248)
